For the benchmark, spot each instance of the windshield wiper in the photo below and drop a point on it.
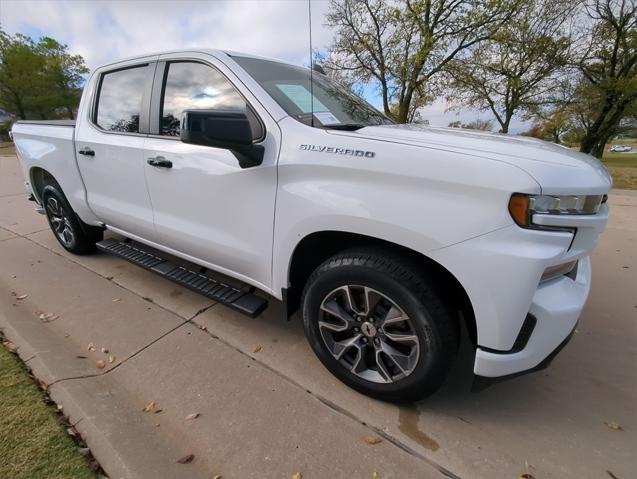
(345, 126)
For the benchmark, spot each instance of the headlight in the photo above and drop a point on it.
(522, 207)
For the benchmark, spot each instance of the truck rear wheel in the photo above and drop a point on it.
(70, 231)
(379, 325)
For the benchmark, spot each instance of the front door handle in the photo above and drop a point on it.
(86, 151)
(160, 162)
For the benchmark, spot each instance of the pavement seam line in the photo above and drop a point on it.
(140, 350)
(329, 404)
(123, 361)
(317, 397)
(11, 194)
(112, 280)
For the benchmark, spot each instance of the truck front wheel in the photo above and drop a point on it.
(73, 234)
(379, 325)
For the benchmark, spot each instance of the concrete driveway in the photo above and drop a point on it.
(268, 409)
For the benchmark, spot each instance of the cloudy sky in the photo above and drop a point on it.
(107, 30)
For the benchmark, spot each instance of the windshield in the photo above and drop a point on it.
(333, 105)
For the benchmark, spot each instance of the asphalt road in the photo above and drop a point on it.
(267, 407)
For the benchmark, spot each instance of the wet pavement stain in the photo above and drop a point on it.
(408, 425)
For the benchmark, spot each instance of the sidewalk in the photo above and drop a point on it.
(268, 408)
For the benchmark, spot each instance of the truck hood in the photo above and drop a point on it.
(550, 164)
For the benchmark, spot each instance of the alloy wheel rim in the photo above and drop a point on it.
(369, 334)
(60, 221)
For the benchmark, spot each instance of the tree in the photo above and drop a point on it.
(64, 73)
(518, 68)
(20, 77)
(403, 44)
(39, 80)
(483, 125)
(608, 64)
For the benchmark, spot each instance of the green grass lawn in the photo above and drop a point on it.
(628, 159)
(622, 166)
(33, 443)
(6, 148)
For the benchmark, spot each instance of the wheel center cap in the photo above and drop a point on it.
(368, 329)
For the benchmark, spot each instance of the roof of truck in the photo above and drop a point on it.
(209, 51)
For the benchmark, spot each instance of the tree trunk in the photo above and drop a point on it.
(603, 127)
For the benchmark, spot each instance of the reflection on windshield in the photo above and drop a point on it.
(325, 103)
(195, 86)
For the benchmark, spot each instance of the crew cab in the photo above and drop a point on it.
(386, 238)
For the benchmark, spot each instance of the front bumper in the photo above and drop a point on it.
(501, 273)
(556, 306)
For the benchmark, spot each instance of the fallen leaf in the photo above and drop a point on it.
(186, 459)
(59, 407)
(109, 278)
(105, 350)
(43, 385)
(202, 327)
(526, 476)
(192, 416)
(157, 411)
(257, 349)
(48, 317)
(613, 476)
(100, 364)
(12, 348)
(614, 426)
(217, 476)
(373, 440)
(297, 475)
(22, 296)
(375, 475)
(84, 451)
(115, 300)
(71, 431)
(79, 356)
(90, 347)
(111, 359)
(149, 407)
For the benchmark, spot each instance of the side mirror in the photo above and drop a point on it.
(230, 130)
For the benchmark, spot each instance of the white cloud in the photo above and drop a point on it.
(103, 31)
(438, 115)
(108, 30)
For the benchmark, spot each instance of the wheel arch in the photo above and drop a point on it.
(316, 247)
(40, 177)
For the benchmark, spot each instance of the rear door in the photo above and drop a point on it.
(109, 145)
(206, 206)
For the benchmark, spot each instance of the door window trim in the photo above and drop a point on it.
(159, 88)
(144, 113)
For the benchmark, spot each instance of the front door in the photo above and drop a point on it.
(205, 205)
(110, 149)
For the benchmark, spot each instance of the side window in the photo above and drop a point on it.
(120, 99)
(195, 86)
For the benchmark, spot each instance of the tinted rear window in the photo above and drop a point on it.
(120, 99)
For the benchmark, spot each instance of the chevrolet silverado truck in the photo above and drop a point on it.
(390, 240)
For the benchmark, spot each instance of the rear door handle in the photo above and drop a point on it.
(160, 162)
(86, 151)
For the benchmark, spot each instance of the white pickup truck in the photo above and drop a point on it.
(390, 239)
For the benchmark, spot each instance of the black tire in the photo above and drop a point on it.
(71, 232)
(403, 285)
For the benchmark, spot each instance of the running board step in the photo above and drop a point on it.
(239, 300)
